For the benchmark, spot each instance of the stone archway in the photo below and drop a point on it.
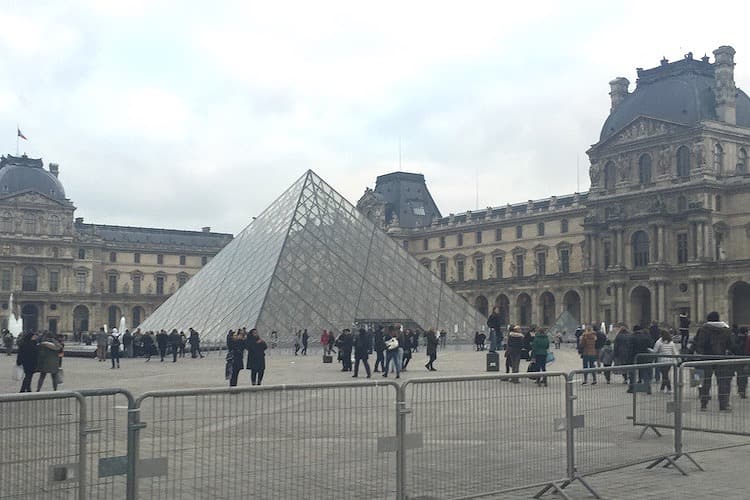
(481, 304)
(547, 306)
(572, 303)
(80, 319)
(30, 316)
(640, 306)
(503, 305)
(739, 302)
(523, 306)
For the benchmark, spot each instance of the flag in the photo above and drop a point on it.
(21, 135)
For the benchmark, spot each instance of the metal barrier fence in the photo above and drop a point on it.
(292, 441)
(43, 450)
(457, 429)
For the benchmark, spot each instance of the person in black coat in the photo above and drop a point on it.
(148, 345)
(162, 339)
(361, 351)
(174, 344)
(379, 349)
(345, 342)
(28, 352)
(236, 343)
(432, 343)
(495, 323)
(641, 343)
(256, 356)
(195, 344)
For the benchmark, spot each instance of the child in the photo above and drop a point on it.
(606, 357)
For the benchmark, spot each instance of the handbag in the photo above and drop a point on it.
(550, 357)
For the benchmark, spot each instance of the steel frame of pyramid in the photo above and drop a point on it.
(312, 260)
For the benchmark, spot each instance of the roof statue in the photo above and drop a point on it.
(311, 260)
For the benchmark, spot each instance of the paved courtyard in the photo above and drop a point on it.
(477, 435)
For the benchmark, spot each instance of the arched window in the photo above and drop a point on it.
(681, 204)
(683, 162)
(718, 158)
(644, 169)
(741, 161)
(29, 279)
(640, 249)
(610, 175)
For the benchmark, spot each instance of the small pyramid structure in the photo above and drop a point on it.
(312, 260)
(566, 325)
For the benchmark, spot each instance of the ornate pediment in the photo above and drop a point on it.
(643, 127)
(32, 198)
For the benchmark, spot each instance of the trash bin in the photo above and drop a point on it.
(327, 358)
(493, 362)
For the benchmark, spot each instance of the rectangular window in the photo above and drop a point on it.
(499, 267)
(540, 229)
(160, 285)
(5, 285)
(54, 281)
(112, 283)
(405, 244)
(519, 265)
(564, 226)
(519, 232)
(113, 256)
(479, 263)
(181, 280)
(182, 260)
(498, 234)
(565, 261)
(541, 263)
(137, 285)
(460, 270)
(460, 239)
(81, 282)
(443, 271)
(425, 244)
(607, 254)
(682, 248)
(204, 260)
(137, 258)
(442, 242)
(479, 237)
(81, 253)
(160, 259)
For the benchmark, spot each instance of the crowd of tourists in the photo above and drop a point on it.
(135, 345)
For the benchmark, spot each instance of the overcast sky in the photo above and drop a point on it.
(188, 114)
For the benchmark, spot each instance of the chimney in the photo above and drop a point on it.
(618, 91)
(79, 220)
(54, 169)
(726, 91)
(206, 229)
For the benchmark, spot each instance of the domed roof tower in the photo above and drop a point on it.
(21, 173)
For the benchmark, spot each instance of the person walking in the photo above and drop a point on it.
(48, 363)
(236, 346)
(513, 351)
(195, 344)
(623, 350)
(361, 352)
(713, 339)
(324, 341)
(740, 346)
(540, 348)
(256, 357)
(127, 344)
(431, 349)
(148, 345)
(114, 348)
(558, 340)
(684, 325)
(101, 345)
(174, 344)
(379, 350)
(406, 342)
(606, 358)
(391, 353)
(495, 324)
(665, 346)
(587, 348)
(345, 343)
(305, 341)
(27, 357)
(183, 343)
(641, 344)
(162, 339)
(8, 342)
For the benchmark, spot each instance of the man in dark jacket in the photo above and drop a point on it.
(345, 343)
(305, 342)
(379, 349)
(684, 332)
(127, 343)
(495, 323)
(162, 339)
(641, 343)
(623, 349)
(361, 351)
(740, 347)
(713, 339)
(513, 352)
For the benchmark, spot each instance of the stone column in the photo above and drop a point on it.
(661, 244)
(625, 305)
(701, 301)
(654, 304)
(708, 251)
(663, 301)
(621, 251)
(699, 240)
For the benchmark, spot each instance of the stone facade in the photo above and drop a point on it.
(71, 276)
(663, 229)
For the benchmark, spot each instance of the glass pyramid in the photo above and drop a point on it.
(311, 260)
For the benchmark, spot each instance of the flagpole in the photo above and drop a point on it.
(17, 129)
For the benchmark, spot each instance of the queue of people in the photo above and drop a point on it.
(239, 341)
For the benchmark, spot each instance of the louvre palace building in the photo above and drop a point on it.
(663, 229)
(67, 275)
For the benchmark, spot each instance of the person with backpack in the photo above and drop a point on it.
(540, 348)
(740, 346)
(664, 345)
(114, 348)
(587, 350)
(713, 339)
(606, 358)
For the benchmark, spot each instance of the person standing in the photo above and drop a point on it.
(305, 341)
(391, 353)
(127, 343)
(324, 341)
(513, 351)
(713, 339)
(623, 350)
(8, 342)
(28, 354)
(540, 348)
(148, 345)
(432, 344)
(443, 338)
(345, 343)
(162, 340)
(48, 361)
(587, 347)
(641, 344)
(361, 352)
(174, 344)
(195, 344)
(183, 343)
(297, 341)
(741, 347)
(379, 350)
(665, 346)
(606, 357)
(256, 357)
(114, 348)
(236, 346)
(101, 344)
(495, 323)
(684, 325)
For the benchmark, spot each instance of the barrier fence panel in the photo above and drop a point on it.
(43, 446)
(474, 436)
(294, 441)
(107, 443)
(605, 435)
(713, 428)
